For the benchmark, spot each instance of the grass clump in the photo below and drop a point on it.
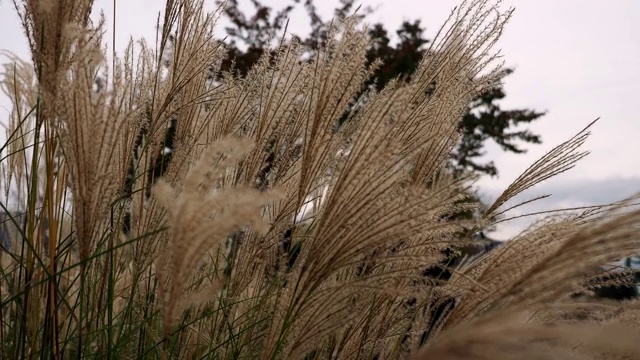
(275, 230)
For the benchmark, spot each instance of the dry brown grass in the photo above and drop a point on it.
(202, 270)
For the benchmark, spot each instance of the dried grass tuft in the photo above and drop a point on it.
(268, 231)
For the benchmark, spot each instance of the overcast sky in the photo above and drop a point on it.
(576, 59)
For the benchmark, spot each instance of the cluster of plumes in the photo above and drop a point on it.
(203, 266)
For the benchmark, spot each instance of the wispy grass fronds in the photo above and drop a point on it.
(158, 208)
(200, 217)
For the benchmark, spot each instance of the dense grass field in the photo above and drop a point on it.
(272, 227)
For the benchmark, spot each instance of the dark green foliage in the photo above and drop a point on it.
(486, 120)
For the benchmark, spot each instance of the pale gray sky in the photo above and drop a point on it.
(578, 59)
